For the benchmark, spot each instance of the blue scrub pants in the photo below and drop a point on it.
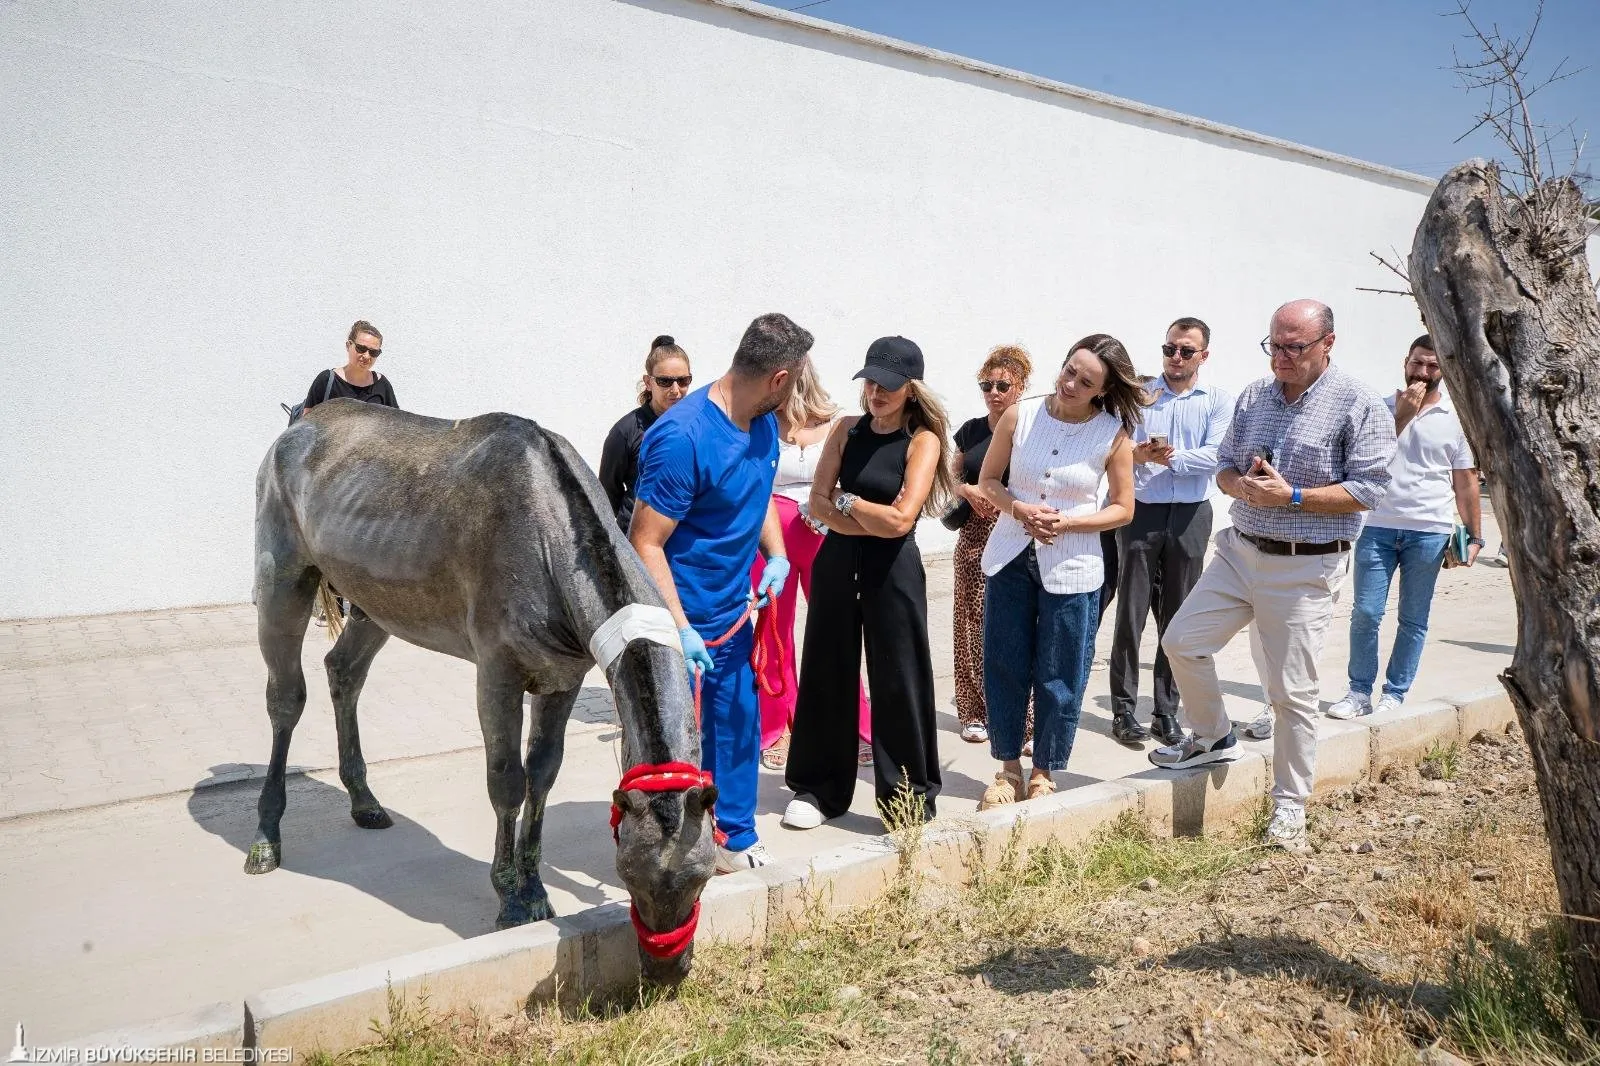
(730, 734)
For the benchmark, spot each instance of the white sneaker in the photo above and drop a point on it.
(1261, 728)
(1354, 705)
(731, 862)
(1387, 702)
(803, 813)
(1287, 830)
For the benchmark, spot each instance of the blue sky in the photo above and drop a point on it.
(1364, 78)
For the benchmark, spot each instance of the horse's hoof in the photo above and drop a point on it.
(263, 858)
(515, 914)
(372, 818)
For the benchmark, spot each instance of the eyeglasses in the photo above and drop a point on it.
(667, 383)
(1170, 350)
(362, 349)
(1296, 350)
(1001, 387)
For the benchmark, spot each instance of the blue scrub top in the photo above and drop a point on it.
(715, 480)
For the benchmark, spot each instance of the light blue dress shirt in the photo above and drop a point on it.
(1194, 423)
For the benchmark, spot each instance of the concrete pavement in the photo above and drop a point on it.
(124, 912)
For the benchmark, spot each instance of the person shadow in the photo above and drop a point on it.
(406, 866)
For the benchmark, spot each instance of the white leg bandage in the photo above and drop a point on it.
(636, 621)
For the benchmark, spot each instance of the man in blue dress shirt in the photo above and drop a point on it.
(1164, 547)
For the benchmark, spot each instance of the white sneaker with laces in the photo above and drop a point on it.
(1261, 728)
(1387, 702)
(1354, 705)
(731, 862)
(803, 813)
(1287, 830)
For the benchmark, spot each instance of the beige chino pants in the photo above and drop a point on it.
(1290, 599)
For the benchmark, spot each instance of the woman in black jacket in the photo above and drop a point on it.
(356, 379)
(666, 381)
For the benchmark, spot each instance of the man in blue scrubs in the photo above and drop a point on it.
(706, 469)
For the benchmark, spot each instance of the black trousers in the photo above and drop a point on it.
(1162, 554)
(871, 591)
(1108, 587)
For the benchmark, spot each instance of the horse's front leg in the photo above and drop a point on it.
(500, 688)
(547, 737)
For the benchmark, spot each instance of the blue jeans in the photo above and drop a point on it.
(1378, 552)
(1039, 641)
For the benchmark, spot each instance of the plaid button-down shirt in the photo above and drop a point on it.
(1337, 433)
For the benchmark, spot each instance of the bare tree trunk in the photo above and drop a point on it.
(1505, 290)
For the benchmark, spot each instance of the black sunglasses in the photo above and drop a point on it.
(667, 383)
(998, 386)
(362, 349)
(1170, 350)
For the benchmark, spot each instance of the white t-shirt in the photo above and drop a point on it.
(1421, 494)
(1059, 464)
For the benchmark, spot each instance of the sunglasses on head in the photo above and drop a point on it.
(667, 383)
(1170, 350)
(997, 386)
(362, 349)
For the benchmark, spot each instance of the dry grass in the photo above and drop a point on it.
(1437, 933)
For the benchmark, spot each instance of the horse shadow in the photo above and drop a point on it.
(405, 866)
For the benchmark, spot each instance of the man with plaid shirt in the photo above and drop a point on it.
(1307, 451)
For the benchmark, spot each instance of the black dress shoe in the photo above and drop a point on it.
(1127, 730)
(1165, 726)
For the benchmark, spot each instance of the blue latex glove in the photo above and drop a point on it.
(773, 577)
(694, 651)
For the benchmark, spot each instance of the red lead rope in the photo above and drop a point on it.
(679, 776)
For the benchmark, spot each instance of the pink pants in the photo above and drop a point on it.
(801, 542)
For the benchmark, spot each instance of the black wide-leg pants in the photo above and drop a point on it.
(867, 591)
(1163, 549)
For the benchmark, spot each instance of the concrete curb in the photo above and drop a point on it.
(595, 952)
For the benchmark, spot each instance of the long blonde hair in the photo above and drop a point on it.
(925, 411)
(808, 403)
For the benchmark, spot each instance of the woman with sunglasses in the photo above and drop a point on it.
(666, 381)
(1043, 562)
(1003, 378)
(356, 379)
(804, 423)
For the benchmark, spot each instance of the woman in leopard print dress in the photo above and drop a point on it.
(1003, 379)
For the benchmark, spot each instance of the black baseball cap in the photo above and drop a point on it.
(891, 362)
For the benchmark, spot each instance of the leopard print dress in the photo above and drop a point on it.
(968, 624)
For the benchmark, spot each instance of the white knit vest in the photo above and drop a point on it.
(1058, 464)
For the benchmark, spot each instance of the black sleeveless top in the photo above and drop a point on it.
(873, 465)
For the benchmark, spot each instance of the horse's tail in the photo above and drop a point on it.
(330, 609)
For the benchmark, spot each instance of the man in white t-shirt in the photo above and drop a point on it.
(1431, 479)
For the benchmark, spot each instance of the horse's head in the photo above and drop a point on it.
(666, 853)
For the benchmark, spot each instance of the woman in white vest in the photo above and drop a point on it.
(1043, 564)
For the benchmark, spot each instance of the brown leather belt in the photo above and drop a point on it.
(1289, 547)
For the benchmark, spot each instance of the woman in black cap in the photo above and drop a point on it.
(666, 381)
(878, 473)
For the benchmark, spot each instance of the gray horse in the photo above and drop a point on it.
(488, 539)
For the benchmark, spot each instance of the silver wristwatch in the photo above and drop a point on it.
(845, 501)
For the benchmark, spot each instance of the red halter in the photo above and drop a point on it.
(680, 776)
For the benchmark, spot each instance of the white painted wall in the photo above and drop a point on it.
(196, 199)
